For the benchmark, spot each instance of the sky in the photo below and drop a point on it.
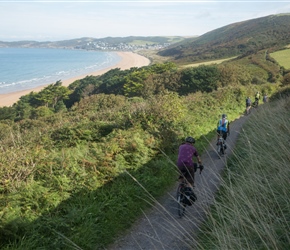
(56, 20)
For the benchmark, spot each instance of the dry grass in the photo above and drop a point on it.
(153, 57)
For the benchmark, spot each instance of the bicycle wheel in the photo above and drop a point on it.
(222, 149)
(219, 150)
(180, 205)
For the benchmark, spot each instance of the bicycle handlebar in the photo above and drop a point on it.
(201, 167)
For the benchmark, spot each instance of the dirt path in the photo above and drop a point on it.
(161, 228)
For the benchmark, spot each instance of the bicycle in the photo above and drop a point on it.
(255, 104)
(185, 195)
(221, 145)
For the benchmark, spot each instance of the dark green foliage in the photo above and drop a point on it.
(70, 137)
(13, 231)
(44, 103)
(41, 111)
(134, 83)
(22, 110)
(7, 113)
(113, 81)
(144, 82)
(286, 79)
(152, 80)
(51, 95)
(202, 78)
(82, 88)
(83, 133)
(60, 107)
(234, 73)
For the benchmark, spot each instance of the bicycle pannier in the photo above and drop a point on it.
(189, 196)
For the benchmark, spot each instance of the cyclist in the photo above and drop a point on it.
(265, 98)
(223, 126)
(185, 163)
(257, 98)
(248, 104)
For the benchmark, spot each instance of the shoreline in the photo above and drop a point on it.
(128, 60)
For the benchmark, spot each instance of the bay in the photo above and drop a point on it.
(27, 68)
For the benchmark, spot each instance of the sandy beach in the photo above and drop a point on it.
(129, 60)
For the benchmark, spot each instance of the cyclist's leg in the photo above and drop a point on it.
(182, 173)
(218, 136)
(225, 134)
(190, 183)
(190, 176)
(249, 107)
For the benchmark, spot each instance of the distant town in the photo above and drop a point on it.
(121, 46)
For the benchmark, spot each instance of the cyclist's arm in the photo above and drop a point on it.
(198, 159)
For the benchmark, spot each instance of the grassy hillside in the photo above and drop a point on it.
(241, 38)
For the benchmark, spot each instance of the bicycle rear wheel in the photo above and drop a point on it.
(220, 149)
(180, 204)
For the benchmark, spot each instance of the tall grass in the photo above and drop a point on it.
(252, 208)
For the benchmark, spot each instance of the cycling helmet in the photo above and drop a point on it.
(190, 139)
(224, 116)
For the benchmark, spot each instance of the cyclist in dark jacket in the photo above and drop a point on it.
(248, 104)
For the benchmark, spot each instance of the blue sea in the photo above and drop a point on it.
(27, 68)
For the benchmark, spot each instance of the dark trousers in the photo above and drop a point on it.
(223, 133)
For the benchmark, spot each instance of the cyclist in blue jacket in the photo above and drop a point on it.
(223, 126)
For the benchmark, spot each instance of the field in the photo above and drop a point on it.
(207, 63)
(282, 57)
(171, 39)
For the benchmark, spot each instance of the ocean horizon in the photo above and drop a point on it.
(27, 68)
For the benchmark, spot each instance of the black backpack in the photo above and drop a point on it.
(188, 196)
